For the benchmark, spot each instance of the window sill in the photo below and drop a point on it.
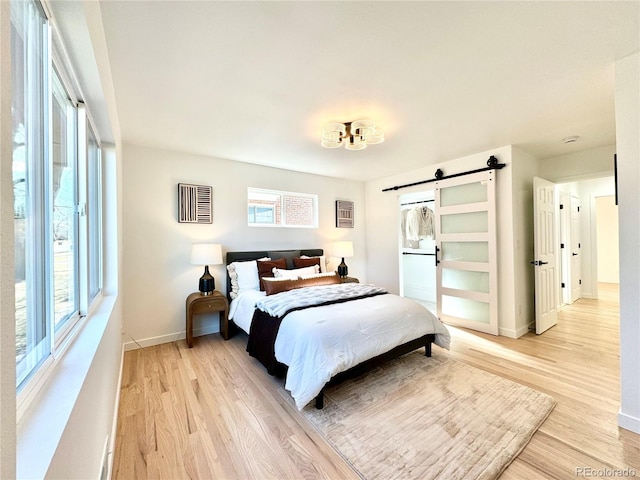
(42, 424)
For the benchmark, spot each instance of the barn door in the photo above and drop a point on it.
(466, 258)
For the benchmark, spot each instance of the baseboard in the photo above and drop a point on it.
(629, 423)
(114, 425)
(134, 343)
(518, 332)
(525, 329)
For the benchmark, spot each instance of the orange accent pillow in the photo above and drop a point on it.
(276, 286)
(265, 269)
(306, 262)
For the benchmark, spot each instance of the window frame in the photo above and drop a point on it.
(255, 206)
(282, 194)
(39, 238)
(61, 331)
(36, 101)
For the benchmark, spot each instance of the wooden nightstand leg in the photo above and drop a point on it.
(189, 328)
(224, 324)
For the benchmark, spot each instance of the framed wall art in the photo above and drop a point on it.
(195, 203)
(344, 214)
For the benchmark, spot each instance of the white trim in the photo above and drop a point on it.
(511, 333)
(281, 194)
(42, 426)
(135, 344)
(628, 422)
(116, 408)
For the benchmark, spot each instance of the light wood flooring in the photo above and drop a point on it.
(212, 412)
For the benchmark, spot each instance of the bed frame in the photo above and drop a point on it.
(356, 371)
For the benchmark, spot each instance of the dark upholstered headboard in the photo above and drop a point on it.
(245, 256)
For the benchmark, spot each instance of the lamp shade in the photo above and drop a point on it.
(206, 254)
(343, 249)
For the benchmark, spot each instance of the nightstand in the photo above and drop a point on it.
(198, 303)
(349, 280)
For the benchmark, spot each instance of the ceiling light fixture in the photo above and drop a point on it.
(353, 135)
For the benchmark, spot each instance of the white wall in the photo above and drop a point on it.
(525, 167)
(628, 147)
(419, 277)
(157, 274)
(580, 165)
(383, 222)
(607, 239)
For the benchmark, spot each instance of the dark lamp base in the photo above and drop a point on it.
(207, 283)
(343, 270)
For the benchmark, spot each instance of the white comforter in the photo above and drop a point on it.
(317, 343)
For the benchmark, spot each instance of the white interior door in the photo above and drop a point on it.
(576, 257)
(466, 259)
(544, 246)
(565, 247)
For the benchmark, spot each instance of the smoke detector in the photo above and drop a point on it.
(571, 139)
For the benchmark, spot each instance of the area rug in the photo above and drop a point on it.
(426, 418)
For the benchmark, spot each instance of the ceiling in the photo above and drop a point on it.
(256, 81)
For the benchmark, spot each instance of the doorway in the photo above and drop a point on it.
(417, 248)
(579, 261)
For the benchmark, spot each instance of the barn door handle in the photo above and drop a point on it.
(436, 256)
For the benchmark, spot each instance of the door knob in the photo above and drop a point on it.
(538, 262)
(574, 254)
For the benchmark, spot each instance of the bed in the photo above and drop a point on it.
(314, 330)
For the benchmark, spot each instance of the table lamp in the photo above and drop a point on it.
(206, 254)
(344, 250)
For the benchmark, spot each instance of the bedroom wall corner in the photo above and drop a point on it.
(525, 167)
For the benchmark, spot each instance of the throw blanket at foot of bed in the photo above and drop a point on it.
(318, 332)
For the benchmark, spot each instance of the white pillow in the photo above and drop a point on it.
(323, 262)
(244, 276)
(318, 275)
(296, 272)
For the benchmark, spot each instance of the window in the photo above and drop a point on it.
(57, 245)
(264, 214)
(94, 212)
(30, 45)
(64, 199)
(281, 209)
